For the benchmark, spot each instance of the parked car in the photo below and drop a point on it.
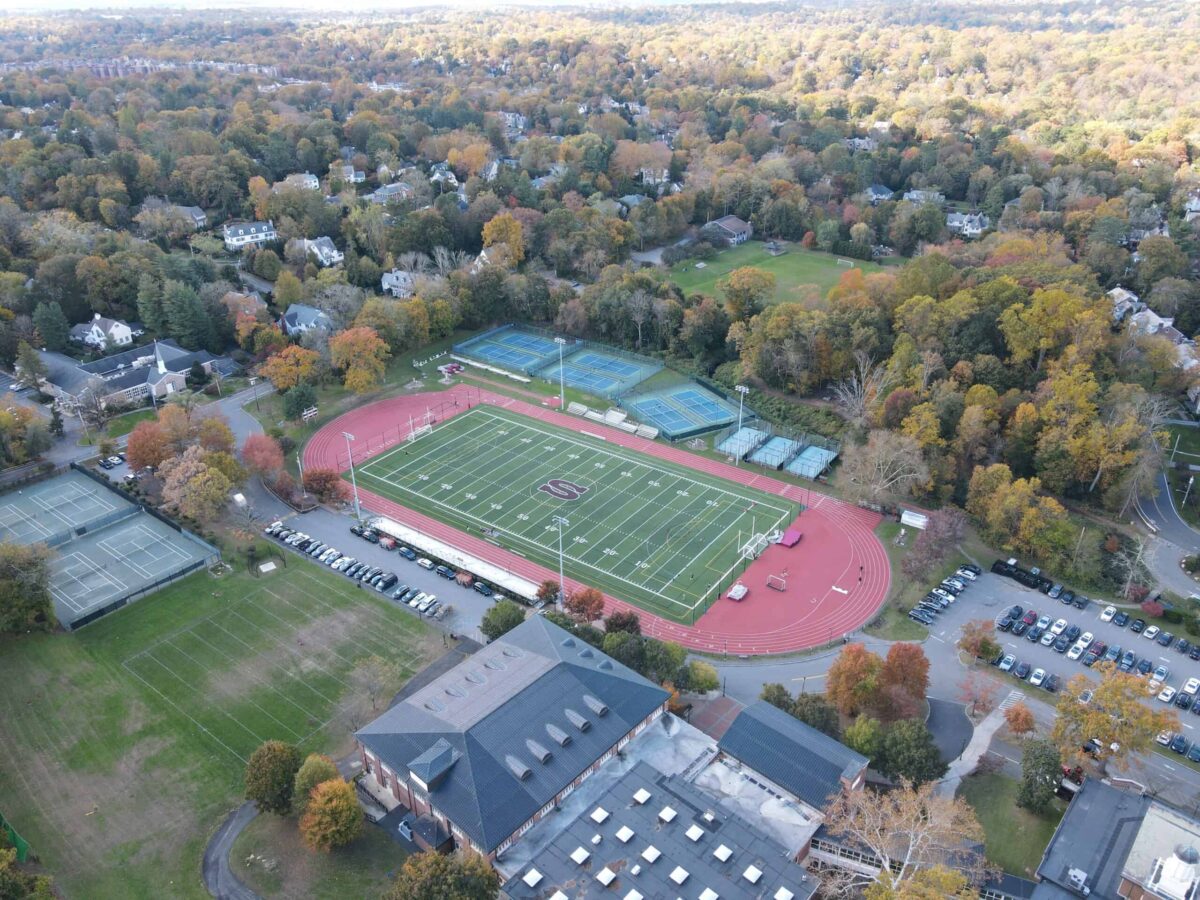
(1061, 644)
(1035, 634)
(1037, 677)
(1052, 683)
(1162, 673)
(1019, 628)
(1194, 653)
(972, 568)
(1137, 625)
(1144, 666)
(1183, 646)
(1048, 639)
(1164, 738)
(1022, 670)
(1030, 616)
(481, 588)
(1108, 614)
(1128, 660)
(1121, 619)
(425, 563)
(406, 552)
(1055, 592)
(1165, 638)
(1007, 663)
(1081, 602)
(370, 536)
(918, 615)
(1058, 627)
(1167, 694)
(964, 572)
(1180, 744)
(1004, 623)
(1073, 633)
(1151, 633)
(1075, 652)
(400, 591)
(1184, 701)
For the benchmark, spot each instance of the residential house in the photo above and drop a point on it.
(102, 332)
(443, 175)
(399, 283)
(879, 193)
(324, 251)
(731, 229)
(968, 225)
(130, 377)
(301, 318)
(391, 193)
(514, 122)
(247, 304)
(486, 750)
(198, 217)
(543, 182)
(860, 143)
(491, 171)
(1124, 303)
(631, 202)
(922, 197)
(607, 205)
(654, 175)
(351, 175)
(301, 181)
(239, 235)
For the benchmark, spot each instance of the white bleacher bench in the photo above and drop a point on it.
(577, 409)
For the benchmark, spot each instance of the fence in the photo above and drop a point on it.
(30, 471)
(142, 591)
(19, 843)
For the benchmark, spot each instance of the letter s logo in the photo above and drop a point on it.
(561, 489)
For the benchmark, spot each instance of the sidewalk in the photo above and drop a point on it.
(965, 764)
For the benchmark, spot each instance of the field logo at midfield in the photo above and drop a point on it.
(561, 489)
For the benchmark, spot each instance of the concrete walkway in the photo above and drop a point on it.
(978, 746)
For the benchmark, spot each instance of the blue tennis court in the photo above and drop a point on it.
(776, 452)
(655, 412)
(508, 348)
(682, 411)
(505, 356)
(741, 442)
(531, 342)
(592, 382)
(812, 462)
(708, 408)
(618, 367)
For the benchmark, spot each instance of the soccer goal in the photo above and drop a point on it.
(777, 582)
(845, 262)
(754, 547)
(419, 431)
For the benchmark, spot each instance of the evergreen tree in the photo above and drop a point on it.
(150, 305)
(187, 320)
(52, 326)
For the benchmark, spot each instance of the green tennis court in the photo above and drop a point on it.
(658, 535)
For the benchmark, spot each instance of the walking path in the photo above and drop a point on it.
(378, 426)
(981, 739)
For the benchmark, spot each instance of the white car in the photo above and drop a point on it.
(1162, 673)
(1058, 627)
(1164, 737)
(1076, 651)
(425, 563)
(965, 574)
(1044, 622)
(1048, 639)
(945, 595)
(1038, 676)
(1107, 615)
(1085, 639)
(1167, 694)
(1007, 663)
(1193, 685)
(1151, 632)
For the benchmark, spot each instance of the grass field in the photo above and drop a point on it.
(796, 272)
(1015, 838)
(661, 536)
(122, 744)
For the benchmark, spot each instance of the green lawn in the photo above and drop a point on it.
(272, 860)
(123, 424)
(796, 272)
(1184, 442)
(1015, 838)
(662, 536)
(123, 744)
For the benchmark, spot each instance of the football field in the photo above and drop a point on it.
(661, 536)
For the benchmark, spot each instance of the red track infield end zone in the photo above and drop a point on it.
(837, 576)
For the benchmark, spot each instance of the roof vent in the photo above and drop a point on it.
(569, 642)
(596, 706)
(605, 664)
(577, 720)
(517, 767)
(475, 677)
(495, 664)
(511, 652)
(558, 735)
(541, 753)
(586, 653)
(456, 692)
(434, 706)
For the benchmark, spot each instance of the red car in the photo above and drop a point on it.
(1030, 617)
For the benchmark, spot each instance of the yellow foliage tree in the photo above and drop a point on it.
(502, 228)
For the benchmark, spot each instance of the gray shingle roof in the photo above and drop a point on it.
(519, 688)
(792, 754)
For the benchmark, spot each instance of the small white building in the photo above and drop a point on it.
(922, 197)
(240, 235)
(303, 181)
(351, 175)
(102, 332)
(398, 283)
(324, 251)
(968, 225)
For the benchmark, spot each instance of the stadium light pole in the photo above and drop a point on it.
(561, 523)
(562, 390)
(742, 392)
(350, 452)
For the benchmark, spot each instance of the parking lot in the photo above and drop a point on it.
(992, 594)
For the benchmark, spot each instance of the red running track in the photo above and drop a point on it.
(838, 575)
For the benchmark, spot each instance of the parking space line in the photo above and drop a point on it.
(1168, 766)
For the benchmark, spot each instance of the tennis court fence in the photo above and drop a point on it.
(19, 843)
(143, 590)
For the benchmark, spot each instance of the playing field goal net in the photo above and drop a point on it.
(754, 547)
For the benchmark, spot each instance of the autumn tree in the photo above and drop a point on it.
(747, 290)
(623, 620)
(777, 695)
(888, 465)
(504, 229)
(316, 769)
(332, 817)
(262, 455)
(289, 367)
(502, 618)
(214, 434)
(1020, 719)
(25, 601)
(585, 604)
(362, 356)
(865, 735)
(913, 831)
(326, 485)
(147, 446)
(1041, 772)
(438, 876)
(979, 691)
(702, 677)
(377, 679)
(943, 531)
(271, 776)
(903, 682)
(853, 679)
(978, 639)
(192, 487)
(1116, 718)
(18, 884)
(866, 384)
(816, 711)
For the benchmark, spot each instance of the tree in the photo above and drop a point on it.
(52, 326)
(889, 464)
(261, 454)
(503, 228)
(326, 485)
(943, 532)
(30, 368)
(980, 691)
(863, 387)
(547, 591)
(1020, 719)
(437, 876)
(271, 775)
(289, 367)
(978, 640)
(214, 434)
(747, 290)
(288, 290)
(56, 422)
(865, 735)
(316, 769)
(777, 695)
(585, 604)
(18, 885)
(905, 670)
(909, 753)
(361, 354)
(1041, 772)
(25, 602)
(502, 618)
(912, 830)
(377, 678)
(332, 817)
(148, 446)
(194, 488)
(1115, 718)
(934, 883)
(814, 710)
(623, 620)
(298, 399)
(702, 677)
(853, 679)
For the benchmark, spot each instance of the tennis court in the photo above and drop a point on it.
(662, 536)
(775, 452)
(682, 411)
(49, 510)
(741, 442)
(812, 462)
(514, 349)
(601, 372)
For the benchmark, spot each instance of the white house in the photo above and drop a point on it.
(324, 250)
(514, 122)
(654, 175)
(391, 193)
(1124, 303)
(398, 283)
(351, 175)
(878, 193)
(300, 318)
(731, 229)
(921, 197)
(102, 332)
(968, 225)
(304, 181)
(239, 235)
(860, 143)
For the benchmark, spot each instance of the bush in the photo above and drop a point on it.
(702, 677)
(298, 399)
(852, 250)
(1173, 616)
(1152, 608)
(1192, 626)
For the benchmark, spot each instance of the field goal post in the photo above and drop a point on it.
(754, 547)
(419, 431)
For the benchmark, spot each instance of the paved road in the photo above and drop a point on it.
(218, 877)
(1161, 512)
